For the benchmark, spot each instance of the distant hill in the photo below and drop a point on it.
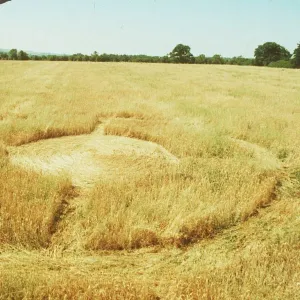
(33, 52)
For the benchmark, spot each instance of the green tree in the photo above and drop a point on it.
(3, 56)
(165, 59)
(270, 52)
(13, 54)
(217, 59)
(22, 55)
(94, 56)
(281, 64)
(86, 58)
(296, 57)
(36, 57)
(77, 57)
(241, 61)
(201, 59)
(106, 57)
(182, 54)
(51, 57)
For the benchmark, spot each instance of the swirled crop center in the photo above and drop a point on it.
(90, 157)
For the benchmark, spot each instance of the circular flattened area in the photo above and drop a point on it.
(87, 158)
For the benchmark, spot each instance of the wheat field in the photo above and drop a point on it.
(149, 181)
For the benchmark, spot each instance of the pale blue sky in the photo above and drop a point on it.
(154, 27)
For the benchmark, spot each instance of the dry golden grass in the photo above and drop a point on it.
(178, 207)
(30, 207)
(255, 260)
(187, 181)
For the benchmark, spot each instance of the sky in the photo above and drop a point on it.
(152, 27)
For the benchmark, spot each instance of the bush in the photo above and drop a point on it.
(281, 64)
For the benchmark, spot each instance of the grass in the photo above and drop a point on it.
(30, 207)
(178, 208)
(222, 224)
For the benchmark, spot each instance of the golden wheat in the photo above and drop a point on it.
(146, 181)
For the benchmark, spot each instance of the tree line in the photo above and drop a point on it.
(269, 54)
